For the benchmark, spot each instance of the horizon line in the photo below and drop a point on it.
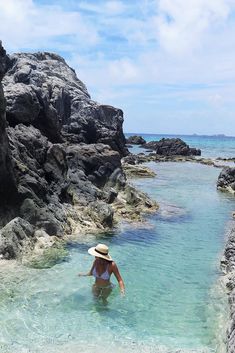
(175, 134)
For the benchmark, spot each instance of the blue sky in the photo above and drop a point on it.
(169, 64)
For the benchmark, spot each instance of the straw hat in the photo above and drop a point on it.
(100, 250)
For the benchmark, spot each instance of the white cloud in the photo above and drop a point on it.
(130, 51)
(108, 7)
(23, 24)
(182, 24)
(123, 70)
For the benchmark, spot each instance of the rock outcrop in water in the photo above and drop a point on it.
(226, 180)
(172, 147)
(60, 155)
(135, 140)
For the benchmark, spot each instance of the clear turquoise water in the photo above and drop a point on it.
(211, 146)
(170, 266)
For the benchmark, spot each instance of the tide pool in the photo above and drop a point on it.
(170, 266)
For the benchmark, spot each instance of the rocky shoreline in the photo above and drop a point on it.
(226, 183)
(65, 165)
(228, 267)
(140, 158)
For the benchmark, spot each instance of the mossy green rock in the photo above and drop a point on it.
(49, 257)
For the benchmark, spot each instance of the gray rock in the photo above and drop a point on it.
(4, 61)
(29, 149)
(103, 212)
(14, 237)
(43, 90)
(135, 140)
(22, 104)
(8, 190)
(46, 218)
(171, 147)
(226, 179)
(60, 152)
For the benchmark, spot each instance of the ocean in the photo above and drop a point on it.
(175, 298)
(211, 146)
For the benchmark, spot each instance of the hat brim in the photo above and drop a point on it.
(92, 251)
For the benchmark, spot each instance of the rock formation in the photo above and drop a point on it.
(8, 190)
(138, 171)
(226, 180)
(60, 156)
(42, 90)
(135, 140)
(171, 147)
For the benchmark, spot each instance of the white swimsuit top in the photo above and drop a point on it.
(105, 275)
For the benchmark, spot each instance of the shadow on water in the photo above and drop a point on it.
(82, 245)
(172, 213)
(130, 235)
(134, 233)
(172, 218)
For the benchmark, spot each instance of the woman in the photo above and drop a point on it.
(102, 269)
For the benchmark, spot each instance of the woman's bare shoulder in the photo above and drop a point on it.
(113, 265)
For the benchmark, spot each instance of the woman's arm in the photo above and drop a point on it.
(88, 273)
(119, 278)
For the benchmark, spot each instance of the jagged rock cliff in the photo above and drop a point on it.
(7, 181)
(42, 90)
(60, 155)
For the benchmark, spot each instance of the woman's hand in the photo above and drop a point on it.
(122, 291)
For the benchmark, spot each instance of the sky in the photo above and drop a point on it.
(168, 64)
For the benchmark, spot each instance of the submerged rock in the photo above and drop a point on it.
(138, 171)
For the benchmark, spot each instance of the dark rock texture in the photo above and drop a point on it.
(8, 190)
(51, 177)
(172, 147)
(42, 90)
(14, 237)
(135, 140)
(226, 180)
(60, 155)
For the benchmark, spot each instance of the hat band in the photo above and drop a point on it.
(101, 253)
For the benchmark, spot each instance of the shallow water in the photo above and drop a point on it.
(170, 265)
